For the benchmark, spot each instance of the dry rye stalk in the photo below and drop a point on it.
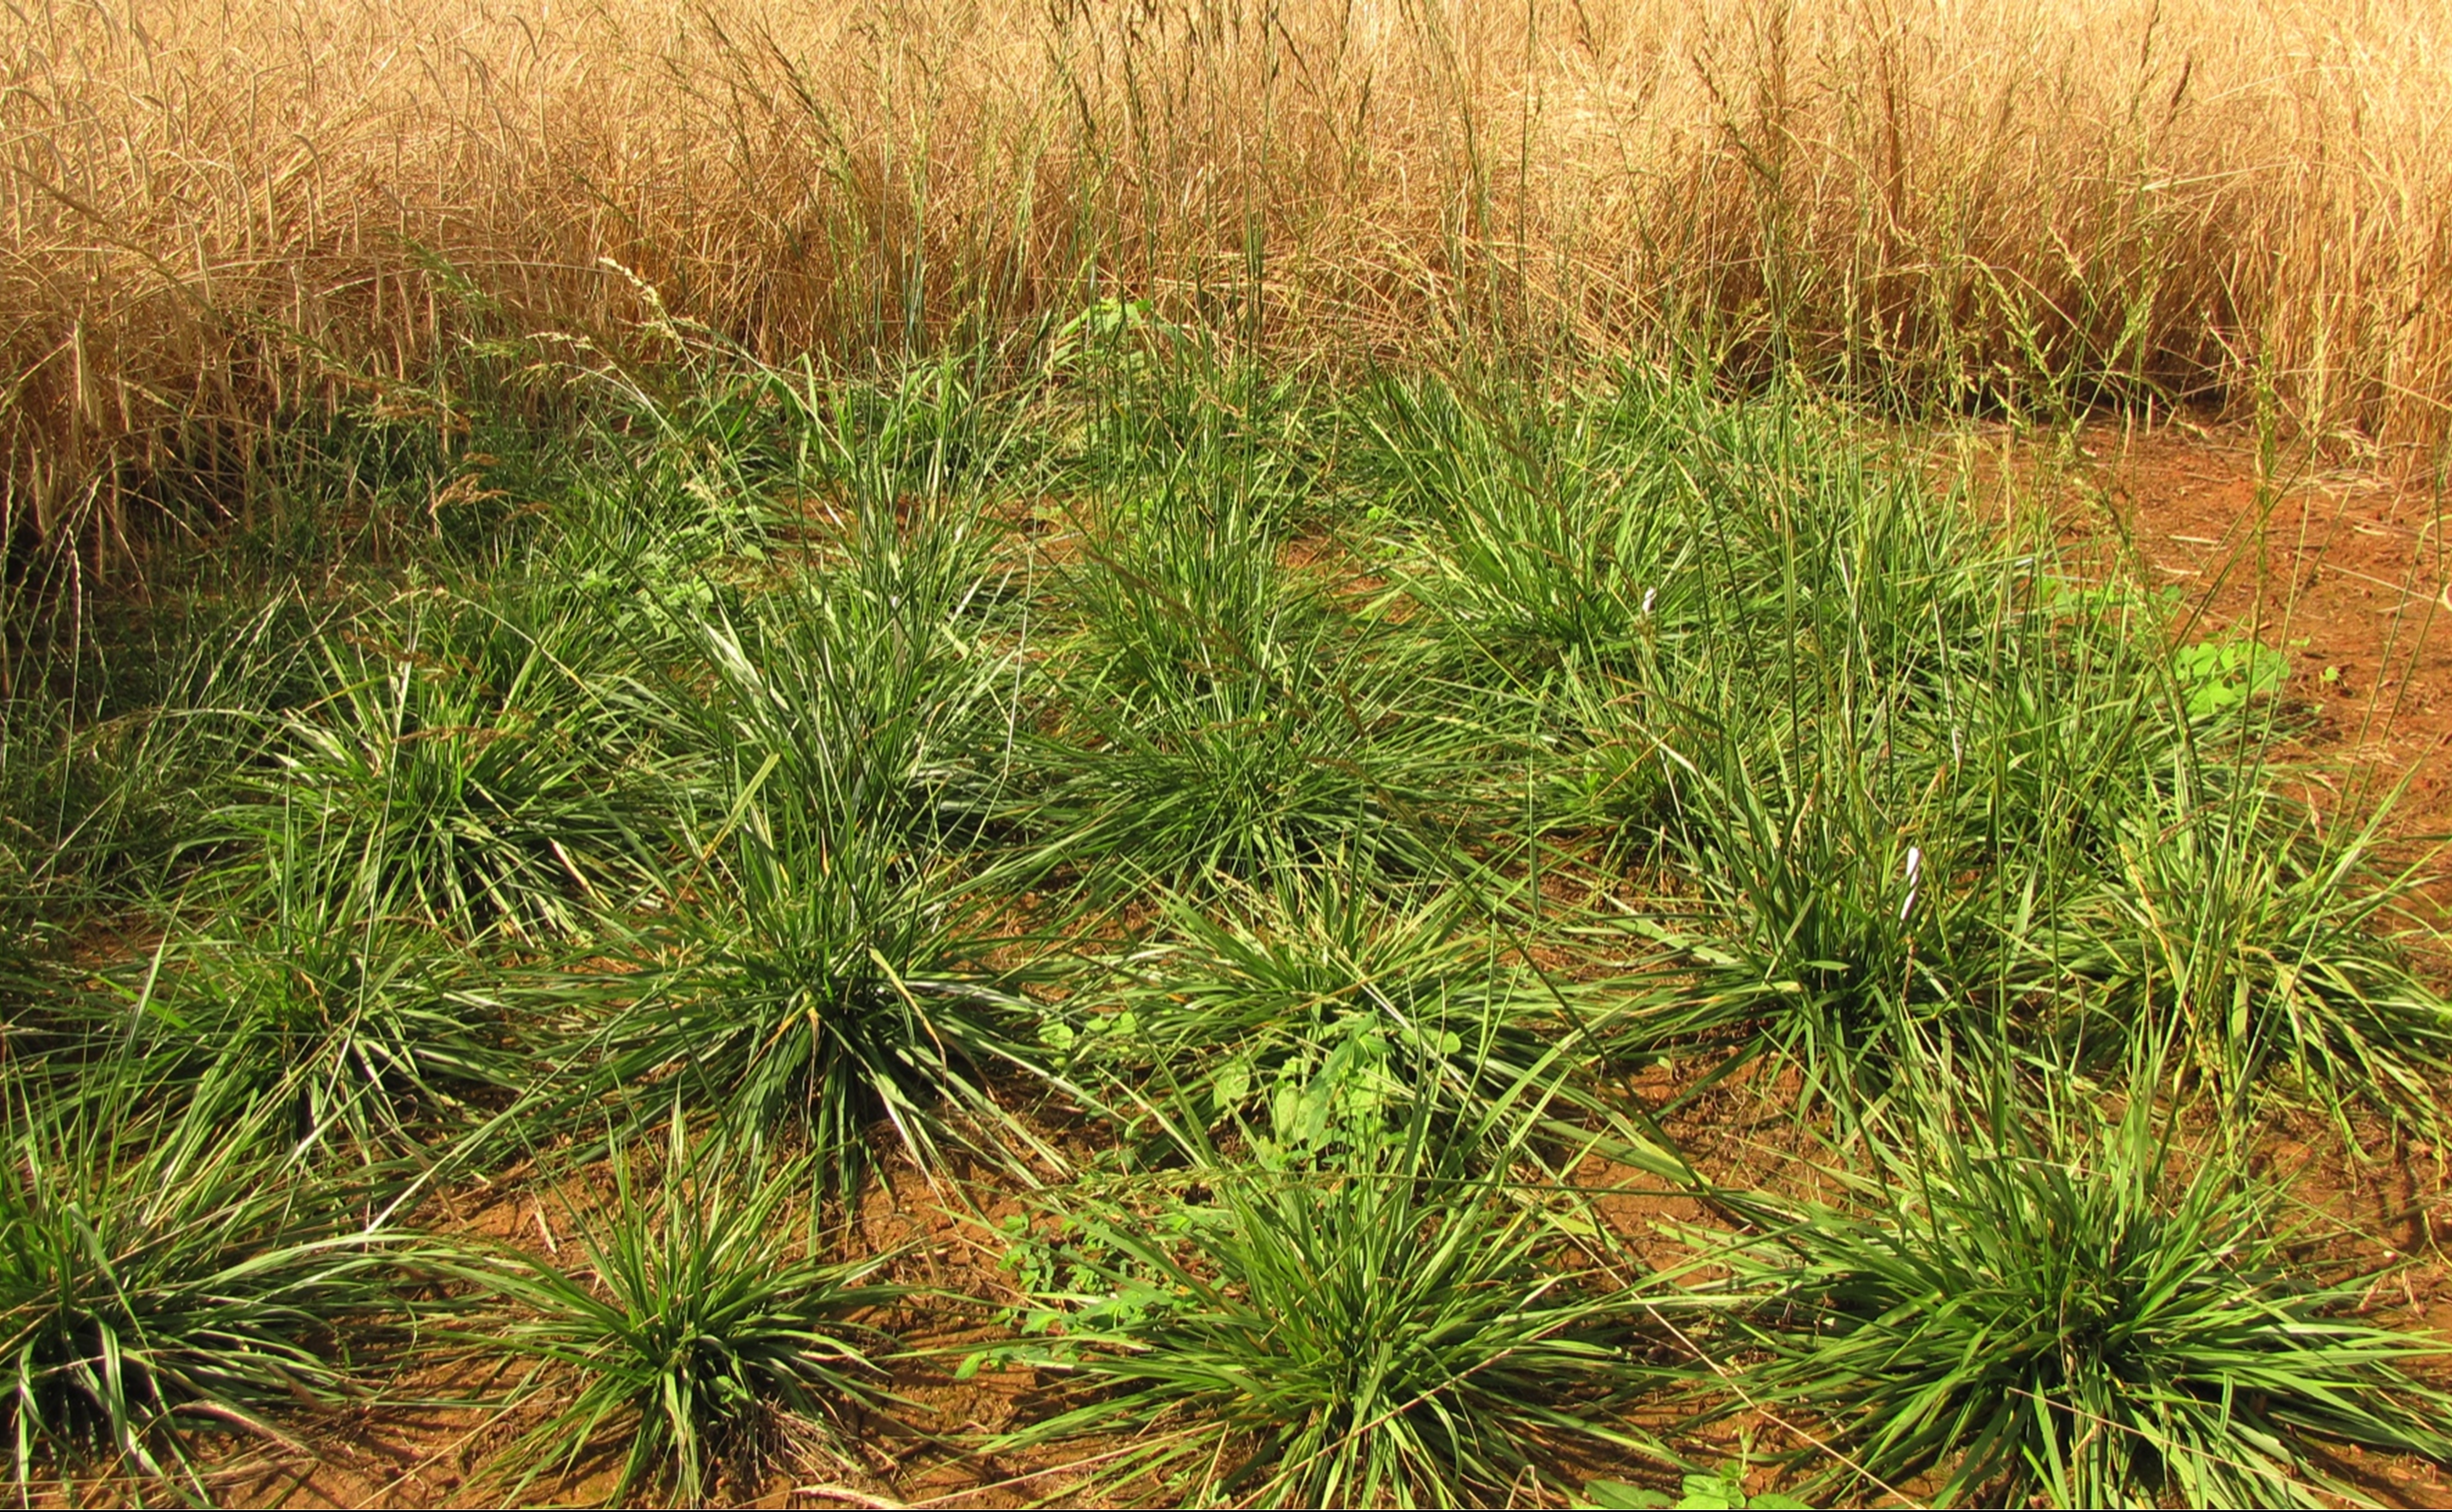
(222, 211)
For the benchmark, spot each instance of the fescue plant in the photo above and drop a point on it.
(113, 752)
(164, 1277)
(1550, 532)
(2065, 1305)
(830, 987)
(450, 765)
(687, 1334)
(1221, 716)
(2236, 924)
(1399, 1329)
(344, 1021)
(823, 962)
(1845, 925)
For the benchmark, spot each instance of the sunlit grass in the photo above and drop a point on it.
(2062, 1308)
(1296, 829)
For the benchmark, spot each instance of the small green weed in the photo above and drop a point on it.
(2217, 677)
(1723, 1492)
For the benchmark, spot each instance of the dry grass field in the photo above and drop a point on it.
(220, 210)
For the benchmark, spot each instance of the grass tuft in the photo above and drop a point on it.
(1406, 1329)
(2027, 1313)
(685, 1330)
(166, 1280)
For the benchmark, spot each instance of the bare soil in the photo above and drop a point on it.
(2345, 568)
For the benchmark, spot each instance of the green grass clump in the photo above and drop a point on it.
(2023, 1314)
(821, 960)
(1403, 1329)
(829, 985)
(1219, 716)
(163, 1279)
(1549, 538)
(452, 764)
(1844, 918)
(361, 1027)
(2263, 942)
(695, 1337)
(875, 688)
(114, 755)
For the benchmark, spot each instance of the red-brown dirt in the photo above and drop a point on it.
(2343, 568)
